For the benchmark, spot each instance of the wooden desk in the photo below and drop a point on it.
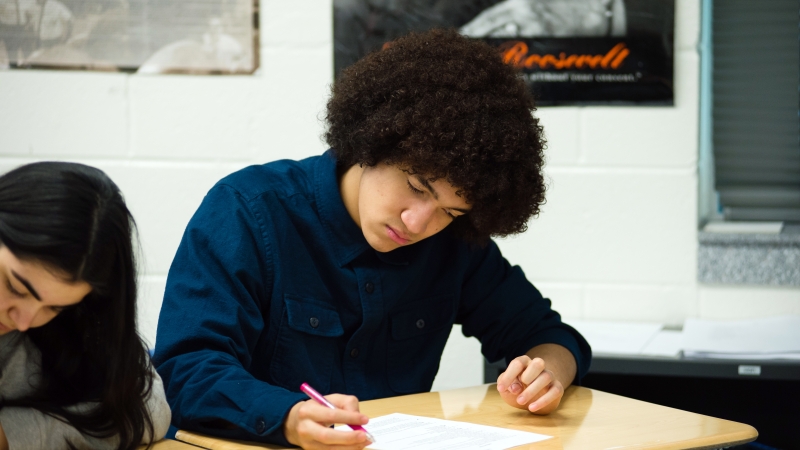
(169, 444)
(586, 419)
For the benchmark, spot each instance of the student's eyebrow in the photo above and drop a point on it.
(428, 186)
(27, 285)
(435, 194)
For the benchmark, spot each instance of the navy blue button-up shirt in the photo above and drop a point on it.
(274, 285)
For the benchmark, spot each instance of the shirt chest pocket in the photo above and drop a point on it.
(419, 333)
(306, 345)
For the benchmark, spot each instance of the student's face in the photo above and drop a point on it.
(396, 208)
(31, 294)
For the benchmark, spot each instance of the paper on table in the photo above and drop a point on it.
(626, 338)
(768, 335)
(744, 356)
(744, 227)
(664, 343)
(402, 431)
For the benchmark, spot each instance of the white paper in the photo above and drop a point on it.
(665, 343)
(622, 338)
(772, 335)
(744, 227)
(744, 356)
(402, 432)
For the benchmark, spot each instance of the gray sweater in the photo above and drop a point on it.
(28, 428)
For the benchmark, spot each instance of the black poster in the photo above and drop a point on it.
(570, 52)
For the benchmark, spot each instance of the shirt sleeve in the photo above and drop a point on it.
(28, 428)
(211, 319)
(508, 314)
(158, 409)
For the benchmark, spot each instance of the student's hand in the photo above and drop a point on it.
(528, 384)
(307, 424)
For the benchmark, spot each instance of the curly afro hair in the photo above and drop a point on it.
(445, 106)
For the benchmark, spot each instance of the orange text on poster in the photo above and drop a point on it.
(516, 54)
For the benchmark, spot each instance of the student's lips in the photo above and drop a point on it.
(395, 236)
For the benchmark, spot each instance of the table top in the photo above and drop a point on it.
(169, 444)
(586, 419)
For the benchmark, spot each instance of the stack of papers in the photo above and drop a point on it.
(402, 431)
(629, 338)
(753, 339)
(768, 338)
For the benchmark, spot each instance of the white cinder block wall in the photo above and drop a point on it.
(616, 240)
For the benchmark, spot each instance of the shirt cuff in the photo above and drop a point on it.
(264, 417)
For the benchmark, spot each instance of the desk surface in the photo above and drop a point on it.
(169, 444)
(586, 419)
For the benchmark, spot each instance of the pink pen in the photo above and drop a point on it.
(311, 392)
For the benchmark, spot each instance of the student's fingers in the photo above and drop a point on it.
(307, 424)
(312, 410)
(330, 436)
(549, 401)
(346, 402)
(509, 378)
(532, 371)
(536, 388)
(320, 446)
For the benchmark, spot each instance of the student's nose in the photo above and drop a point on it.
(418, 217)
(23, 316)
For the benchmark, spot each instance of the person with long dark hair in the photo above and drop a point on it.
(75, 373)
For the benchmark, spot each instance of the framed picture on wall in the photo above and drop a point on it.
(144, 36)
(570, 52)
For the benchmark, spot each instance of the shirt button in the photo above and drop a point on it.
(369, 287)
(314, 322)
(354, 353)
(420, 324)
(261, 426)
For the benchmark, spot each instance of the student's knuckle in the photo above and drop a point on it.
(303, 412)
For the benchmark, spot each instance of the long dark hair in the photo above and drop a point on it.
(72, 218)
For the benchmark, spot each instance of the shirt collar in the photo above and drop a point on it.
(347, 240)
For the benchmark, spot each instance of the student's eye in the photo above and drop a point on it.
(449, 213)
(413, 189)
(57, 309)
(13, 291)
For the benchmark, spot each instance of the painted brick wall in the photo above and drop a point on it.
(616, 240)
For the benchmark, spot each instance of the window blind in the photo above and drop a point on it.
(756, 75)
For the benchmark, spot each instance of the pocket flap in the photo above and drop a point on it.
(423, 317)
(313, 317)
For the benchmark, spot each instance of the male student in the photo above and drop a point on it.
(348, 270)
